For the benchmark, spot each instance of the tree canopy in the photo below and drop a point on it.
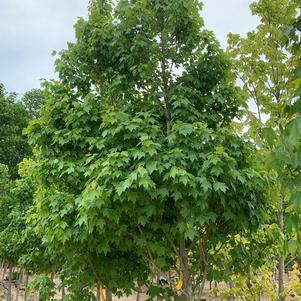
(135, 153)
(13, 119)
(145, 167)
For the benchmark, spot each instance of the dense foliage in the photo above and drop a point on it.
(135, 155)
(148, 169)
(13, 119)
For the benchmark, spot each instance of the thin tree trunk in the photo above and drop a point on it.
(280, 278)
(202, 287)
(158, 284)
(9, 297)
(138, 296)
(4, 271)
(17, 290)
(281, 258)
(215, 285)
(203, 260)
(98, 293)
(26, 284)
(109, 296)
(169, 281)
(21, 275)
(187, 291)
(52, 276)
(63, 292)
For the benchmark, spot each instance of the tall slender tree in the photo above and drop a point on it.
(264, 65)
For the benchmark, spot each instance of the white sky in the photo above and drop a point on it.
(31, 29)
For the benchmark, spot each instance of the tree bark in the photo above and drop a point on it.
(280, 278)
(187, 281)
(63, 292)
(17, 290)
(215, 286)
(52, 276)
(109, 296)
(158, 284)
(98, 293)
(9, 296)
(281, 258)
(202, 287)
(4, 271)
(21, 275)
(26, 284)
(138, 296)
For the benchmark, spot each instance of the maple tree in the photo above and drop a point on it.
(264, 63)
(137, 165)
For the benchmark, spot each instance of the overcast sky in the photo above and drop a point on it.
(30, 30)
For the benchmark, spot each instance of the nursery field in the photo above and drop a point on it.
(157, 165)
(18, 292)
(4, 284)
(212, 291)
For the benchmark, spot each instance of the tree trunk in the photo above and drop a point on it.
(281, 258)
(187, 281)
(138, 296)
(215, 286)
(26, 284)
(63, 292)
(280, 278)
(9, 297)
(21, 275)
(17, 290)
(52, 276)
(98, 293)
(202, 287)
(4, 271)
(109, 296)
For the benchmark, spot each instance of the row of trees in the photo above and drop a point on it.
(16, 194)
(148, 169)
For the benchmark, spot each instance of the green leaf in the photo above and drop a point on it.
(270, 136)
(151, 167)
(293, 131)
(142, 220)
(218, 186)
(205, 184)
(190, 233)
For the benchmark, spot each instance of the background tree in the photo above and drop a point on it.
(285, 156)
(264, 65)
(5, 197)
(33, 101)
(13, 119)
(16, 193)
